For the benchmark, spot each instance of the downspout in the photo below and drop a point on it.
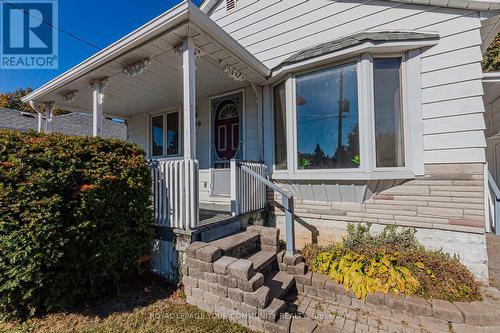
(35, 107)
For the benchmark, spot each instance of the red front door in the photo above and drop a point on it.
(227, 131)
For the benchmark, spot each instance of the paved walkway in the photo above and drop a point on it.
(493, 245)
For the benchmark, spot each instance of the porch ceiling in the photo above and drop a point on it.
(160, 85)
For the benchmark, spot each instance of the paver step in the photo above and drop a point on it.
(238, 245)
(279, 283)
(262, 260)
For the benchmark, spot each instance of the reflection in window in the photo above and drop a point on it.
(173, 133)
(327, 119)
(157, 136)
(388, 112)
(279, 127)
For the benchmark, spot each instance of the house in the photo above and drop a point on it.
(71, 123)
(341, 111)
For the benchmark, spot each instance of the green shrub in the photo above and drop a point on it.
(392, 261)
(75, 219)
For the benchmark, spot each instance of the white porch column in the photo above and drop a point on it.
(189, 104)
(98, 87)
(49, 108)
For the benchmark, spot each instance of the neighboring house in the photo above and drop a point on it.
(362, 111)
(71, 123)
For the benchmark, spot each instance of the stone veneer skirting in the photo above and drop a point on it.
(446, 206)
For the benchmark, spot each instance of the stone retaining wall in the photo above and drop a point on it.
(392, 311)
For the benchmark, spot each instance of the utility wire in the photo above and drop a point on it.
(54, 27)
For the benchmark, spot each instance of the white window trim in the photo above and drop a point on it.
(412, 123)
(164, 156)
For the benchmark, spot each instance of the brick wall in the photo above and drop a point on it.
(448, 197)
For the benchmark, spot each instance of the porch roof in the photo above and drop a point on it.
(160, 85)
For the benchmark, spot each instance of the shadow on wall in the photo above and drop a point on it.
(337, 191)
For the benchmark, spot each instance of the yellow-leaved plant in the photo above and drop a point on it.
(367, 275)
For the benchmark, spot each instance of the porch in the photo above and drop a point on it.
(192, 97)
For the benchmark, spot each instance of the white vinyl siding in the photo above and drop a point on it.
(273, 30)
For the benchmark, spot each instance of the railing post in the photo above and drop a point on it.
(235, 207)
(289, 225)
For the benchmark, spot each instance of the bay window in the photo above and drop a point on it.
(165, 135)
(327, 118)
(343, 119)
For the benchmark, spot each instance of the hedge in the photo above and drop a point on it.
(75, 219)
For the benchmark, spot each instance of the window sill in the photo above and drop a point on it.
(339, 175)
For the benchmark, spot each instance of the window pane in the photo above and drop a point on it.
(157, 136)
(173, 133)
(280, 127)
(388, 112)
(327, 119)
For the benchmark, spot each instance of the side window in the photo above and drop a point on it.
(165, 133)
(157, 136)
(389, 136)
(279, 101)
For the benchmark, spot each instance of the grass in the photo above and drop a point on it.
(152, 308)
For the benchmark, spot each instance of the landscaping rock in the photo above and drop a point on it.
(417, 306)
(193, 247)
(189, 281)
(299, 269)
(201, 265)
(446, 311)
(220, 266)
(305, 279)
(218, 290)
(319, 280)
(210, 277)
(208, 253)
(334, 287)
(256, 324)
(271, 313)
(241, 269)
(246, 309)
(480, 313)
(259, 298)
(376, 299)
(227, 281)
(196, 273)
(302, 325)
(253, 284)
(292, 260)
(281, 326)
(235, 294)
(396, 302)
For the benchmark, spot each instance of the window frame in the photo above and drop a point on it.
(164, 114)
(366, 119)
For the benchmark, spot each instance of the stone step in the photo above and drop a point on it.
(279, 283)
(238, 245)
(263, 261)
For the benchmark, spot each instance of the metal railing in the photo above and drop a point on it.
(175, 193)
(493, 204)
(248, 193)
